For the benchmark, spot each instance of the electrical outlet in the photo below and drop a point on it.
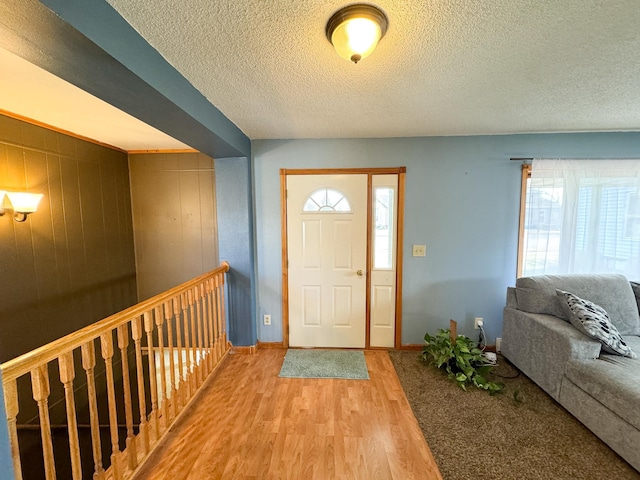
(419, 251)
(498, 344)
(267, 319)
(478, 322)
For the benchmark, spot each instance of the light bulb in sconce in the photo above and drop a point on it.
(23, 204)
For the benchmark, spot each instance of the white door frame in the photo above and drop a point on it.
(400, 171)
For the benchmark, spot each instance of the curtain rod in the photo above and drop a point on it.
(520, 159)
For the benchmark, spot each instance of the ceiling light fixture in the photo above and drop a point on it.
(355, 30)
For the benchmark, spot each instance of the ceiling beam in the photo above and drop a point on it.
(87, 43)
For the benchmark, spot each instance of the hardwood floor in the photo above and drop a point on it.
(249, 423)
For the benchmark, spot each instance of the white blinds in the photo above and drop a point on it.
(583, 216)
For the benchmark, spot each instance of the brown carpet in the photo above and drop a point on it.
(473, 435)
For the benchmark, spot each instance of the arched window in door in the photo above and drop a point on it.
(327, 200)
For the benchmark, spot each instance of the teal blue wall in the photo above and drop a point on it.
(236, 245)
(6, 461)
(462, 201)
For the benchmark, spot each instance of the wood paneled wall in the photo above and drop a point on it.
(174, 218)
(72, 262)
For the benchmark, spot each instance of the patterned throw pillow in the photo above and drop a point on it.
(592, 320)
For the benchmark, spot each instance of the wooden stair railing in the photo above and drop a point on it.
(183, 334)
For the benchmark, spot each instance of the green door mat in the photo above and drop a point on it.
(348, 364)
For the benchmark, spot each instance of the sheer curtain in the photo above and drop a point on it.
(583, 216)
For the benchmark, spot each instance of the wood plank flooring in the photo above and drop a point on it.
(249, 423)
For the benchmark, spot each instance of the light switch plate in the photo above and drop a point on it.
(419, 250)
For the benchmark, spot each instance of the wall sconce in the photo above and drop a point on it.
(355, 30)
(22, 203)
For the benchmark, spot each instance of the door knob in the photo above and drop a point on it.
(359, 273)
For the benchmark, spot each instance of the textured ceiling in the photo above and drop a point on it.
(445, 67)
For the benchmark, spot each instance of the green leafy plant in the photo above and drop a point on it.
(518, 397)
(463, 361)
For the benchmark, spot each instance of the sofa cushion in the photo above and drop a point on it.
(593, 320)
(539, 300)
(612, 380)
(611, 291)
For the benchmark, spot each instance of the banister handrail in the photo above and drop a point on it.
(181, 333)
(23, 364)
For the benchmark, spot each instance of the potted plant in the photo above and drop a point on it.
(463, 361)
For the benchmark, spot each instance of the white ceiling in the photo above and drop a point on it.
(445, 67)
(34, 93)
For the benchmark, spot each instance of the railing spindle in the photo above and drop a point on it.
(209, 336)
(136, 334)
(88, 364)
(164, 394)
(199, 352)
(106, 348)
(40, 388)
(67, 376)
(194, 364)
(205, 326)
(172, 363)
(12, 408)
(214, 319)
(123, 345)
(187, 344)
(148, 328)
(182, 375)
(219, 317)
(216, 327)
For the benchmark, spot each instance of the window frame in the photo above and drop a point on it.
(525, 176)
(600, 190)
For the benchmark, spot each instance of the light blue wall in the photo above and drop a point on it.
(6, 460)
(462, 201)
(236, 245)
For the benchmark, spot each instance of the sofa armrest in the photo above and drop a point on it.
(541, 345)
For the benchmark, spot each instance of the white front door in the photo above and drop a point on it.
(327, 248)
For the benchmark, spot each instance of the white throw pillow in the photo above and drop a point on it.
(593, 320)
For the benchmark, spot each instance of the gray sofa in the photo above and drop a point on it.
(601, 390)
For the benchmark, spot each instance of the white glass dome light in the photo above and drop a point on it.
(355, 31)
(23, 204)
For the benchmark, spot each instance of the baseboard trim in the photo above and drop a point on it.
(253, 349)
(269, 345)
(248, 350)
